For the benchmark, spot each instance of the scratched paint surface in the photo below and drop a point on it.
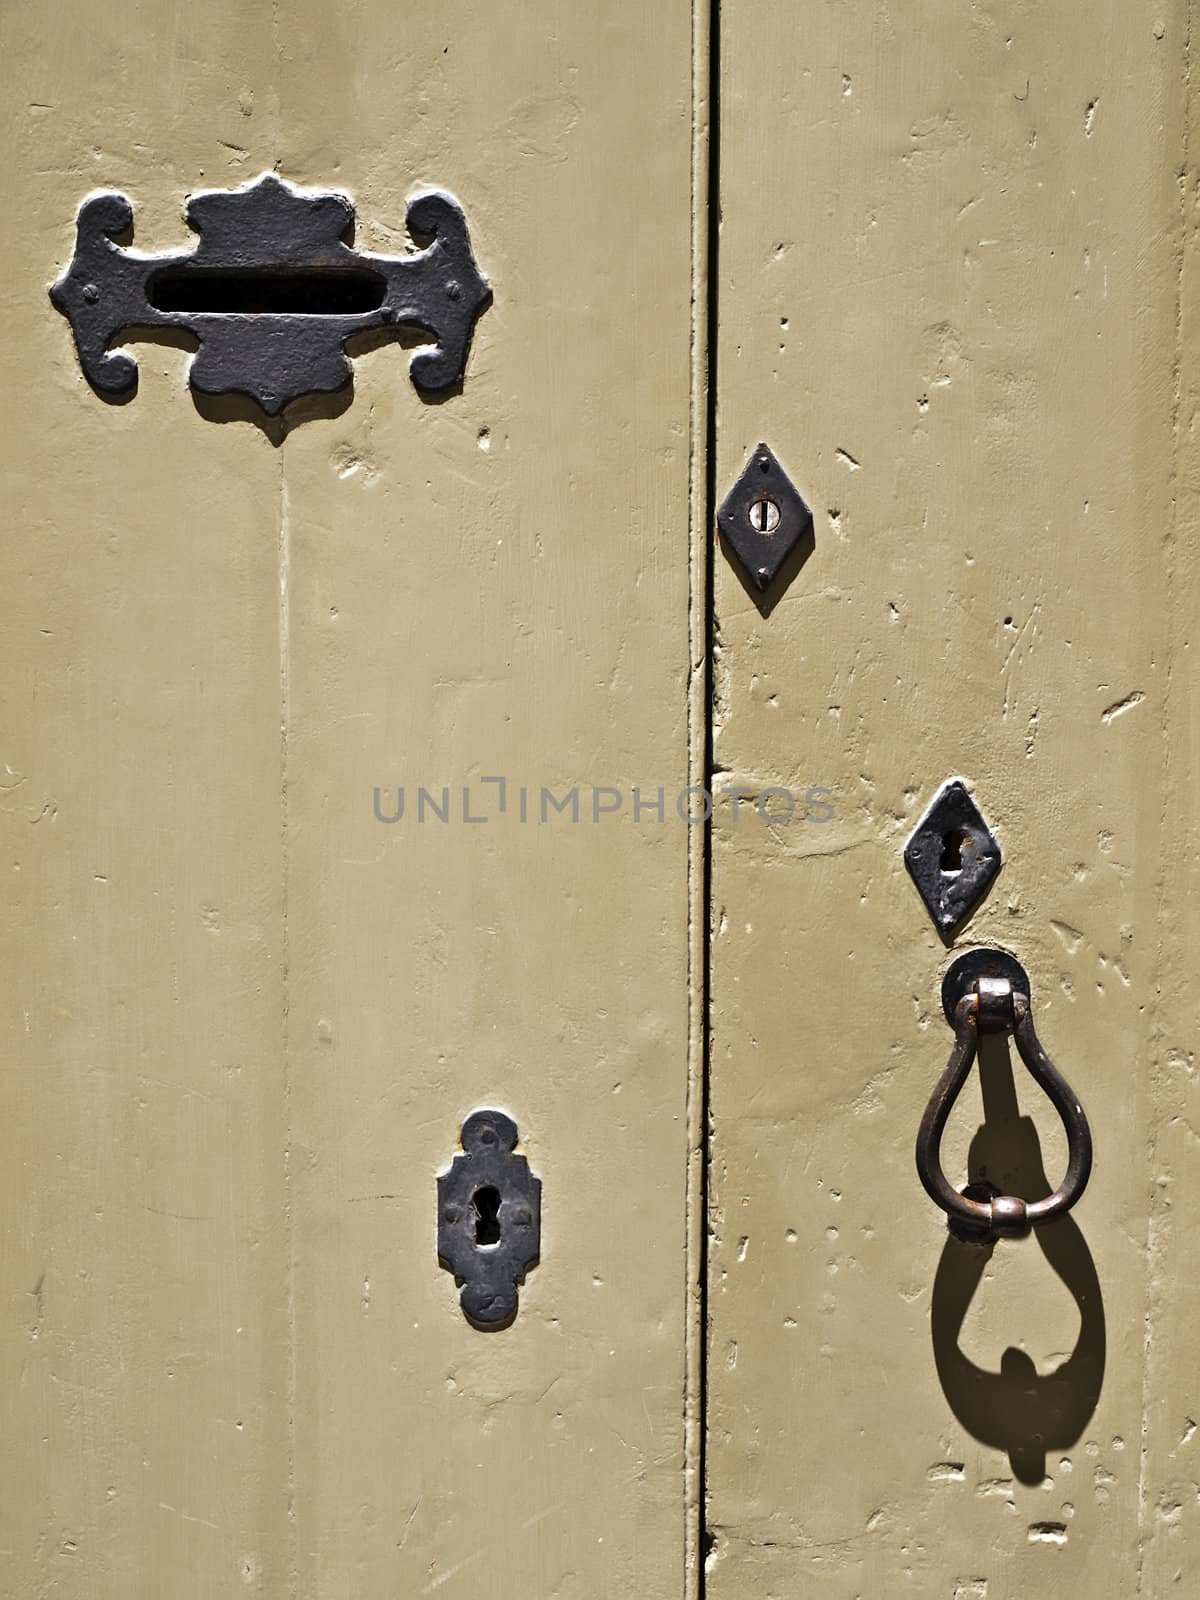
(244, 1020)
(242, 1024)
(953, 301)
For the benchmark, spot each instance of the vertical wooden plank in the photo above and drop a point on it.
(141, 1180)
(496, 586)
(947, 294)
(1170, 1493)
(234, 1358)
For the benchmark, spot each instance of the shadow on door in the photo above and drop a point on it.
(1017, 1409)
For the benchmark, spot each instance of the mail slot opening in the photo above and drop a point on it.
(294, 294)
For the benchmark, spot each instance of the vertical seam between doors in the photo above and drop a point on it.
(693, 1377)
(701, 516)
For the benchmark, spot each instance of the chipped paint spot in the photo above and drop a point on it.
(1047, 1533)
(1119, 707)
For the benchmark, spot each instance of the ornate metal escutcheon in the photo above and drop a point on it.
(272, 292)
(489, 1219)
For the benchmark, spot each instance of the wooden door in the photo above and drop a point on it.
(245, 1019)
(940, 265)
(954, 289)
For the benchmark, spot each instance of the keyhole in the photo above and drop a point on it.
(487, 1218)
(764, 514)
(952, 849)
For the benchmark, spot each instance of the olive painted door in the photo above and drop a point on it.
(955, 299)
(245, 1018)
(357, 774)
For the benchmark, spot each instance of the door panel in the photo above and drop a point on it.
(143, 1203)
(246, 1019)
(457, 613)
(946, 301)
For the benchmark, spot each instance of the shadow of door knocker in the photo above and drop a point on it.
(986, 997)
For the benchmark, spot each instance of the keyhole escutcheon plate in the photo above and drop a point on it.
(489, 1219)
(763, 520)
(952, 857)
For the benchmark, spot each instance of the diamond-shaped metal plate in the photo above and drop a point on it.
(763, 519)
(953, 857)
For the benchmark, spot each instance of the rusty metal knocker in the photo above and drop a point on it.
(988, 991)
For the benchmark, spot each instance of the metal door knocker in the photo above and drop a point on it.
(988, 991)
(489, 1219)
(272, 291)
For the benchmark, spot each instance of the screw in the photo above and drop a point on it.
(764, 514)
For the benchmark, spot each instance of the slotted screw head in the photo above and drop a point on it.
(763, 518)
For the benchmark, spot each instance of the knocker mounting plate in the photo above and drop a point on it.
(963, 975)
(272, 291)
(489, 1219)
